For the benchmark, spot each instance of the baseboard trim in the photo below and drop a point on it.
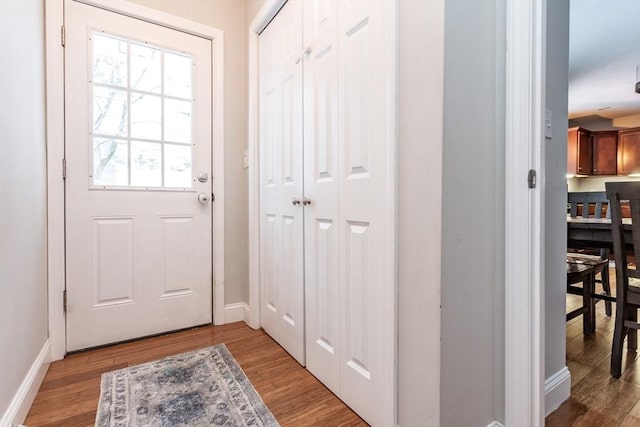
(22, 400)
(496, 424)
(236, 312)
(557, 389)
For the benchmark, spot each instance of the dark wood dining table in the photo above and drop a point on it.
(594, 233)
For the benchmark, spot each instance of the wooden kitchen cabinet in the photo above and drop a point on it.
(579, 151)
(605, 152)
(629, 151)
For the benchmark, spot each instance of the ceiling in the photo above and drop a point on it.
(604, 52)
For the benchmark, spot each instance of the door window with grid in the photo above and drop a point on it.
(142, 115)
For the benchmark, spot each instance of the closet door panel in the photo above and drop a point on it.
(281, 177)
(269, 191)
(322, 239)
(366, 163)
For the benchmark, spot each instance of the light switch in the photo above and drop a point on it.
(548, 124)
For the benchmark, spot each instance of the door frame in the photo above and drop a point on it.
(56, 250)
(268, 11)
(524, 212)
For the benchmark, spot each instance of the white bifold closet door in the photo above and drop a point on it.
(281, 226)
(349, 157)
(348, 61)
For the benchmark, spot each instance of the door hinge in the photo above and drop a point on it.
(532, 178)
(64, 168)
(213, 197)
(64, 300)
(62, 36)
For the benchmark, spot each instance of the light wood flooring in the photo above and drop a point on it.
(597, 399)
(69, 394)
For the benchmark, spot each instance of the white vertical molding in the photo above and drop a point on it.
(254, 181)
(54, 19)
(261, 20)
(217, 41)
(524, 294)
(391, 29)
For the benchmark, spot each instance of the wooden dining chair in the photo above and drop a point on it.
(627, 275)
(583, 273)
(592, 204)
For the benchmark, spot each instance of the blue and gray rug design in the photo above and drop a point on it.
(201, 388)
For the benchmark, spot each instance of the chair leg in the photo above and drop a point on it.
(632, 333)
(588, 317)
(618, 342)
(606, 287)
(592, 303)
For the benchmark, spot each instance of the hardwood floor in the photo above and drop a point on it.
(597, 399)
(69, 393)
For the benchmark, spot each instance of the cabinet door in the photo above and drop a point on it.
(605, 152)
(281, 221)
(579, 153)
(629, 151)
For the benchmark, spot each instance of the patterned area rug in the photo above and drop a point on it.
(201, 388)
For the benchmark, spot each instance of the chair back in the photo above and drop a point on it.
(620, 193)
(587, 200)
(627, 296)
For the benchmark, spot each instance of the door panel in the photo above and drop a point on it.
(321, 186)
(138, 130)
(366, 140)
(281, 228)
(112, 261)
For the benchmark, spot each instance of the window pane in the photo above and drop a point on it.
(177, 75)
(177, 164)
(177, 121)
(145, 68)
(146, 116)
(110, 166)
(109, 60)
(146, 164)
(109, 111)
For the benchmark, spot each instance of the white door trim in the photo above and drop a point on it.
(524, 253)
(54, 20)
(264, 16)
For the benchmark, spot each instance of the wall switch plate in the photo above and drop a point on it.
(245, 159)
(548, 124)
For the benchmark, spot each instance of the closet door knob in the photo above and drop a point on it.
(307, 51)
(306, 201)
(295, 201)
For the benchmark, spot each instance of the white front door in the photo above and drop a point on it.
(281, 220)
(138, 187)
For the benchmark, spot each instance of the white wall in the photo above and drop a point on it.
(252, 7)
(555, 233)
(229, 16)
(472, 376)
(23, 240)
(419, 210)
(593, 183)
